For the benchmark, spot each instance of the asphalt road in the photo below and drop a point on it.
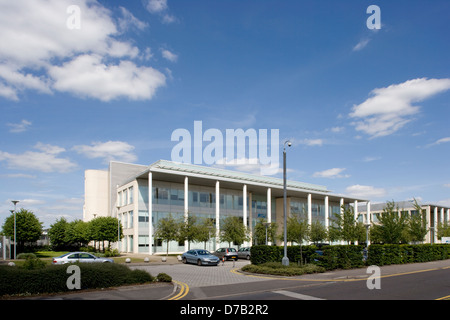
(421, 281)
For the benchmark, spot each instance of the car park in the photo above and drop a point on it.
(244, 253)
(200, 257)
(84, 257)
(227, 253)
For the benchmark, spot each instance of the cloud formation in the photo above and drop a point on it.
(391, 108)
(110, 150)
(58, 50)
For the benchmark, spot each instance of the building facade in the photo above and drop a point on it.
(142, 195)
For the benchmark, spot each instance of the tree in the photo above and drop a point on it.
(167, 230)
(346, 228)
(417, 224)
(188, 230)
(233, 230)
(104, 229)
(205, 229)
(77, 232)
(259, 231)
(298, 230)
(318, 232)
(57, 234)
(393, 227)
(28, 228)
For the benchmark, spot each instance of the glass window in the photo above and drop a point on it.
(130, 193)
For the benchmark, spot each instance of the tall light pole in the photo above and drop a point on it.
(15, 202)
(285, 260)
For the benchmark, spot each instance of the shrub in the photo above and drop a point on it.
(276, 268)
(26, 255)
(53, 278)
(33, 263)
(163, 277)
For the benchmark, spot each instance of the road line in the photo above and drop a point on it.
(184, 290)
(296, 295)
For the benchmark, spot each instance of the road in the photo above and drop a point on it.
(421, 281)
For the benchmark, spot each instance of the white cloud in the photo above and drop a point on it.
(169, 55)
(156, 6)
(365, 192)
(88, 76)
(440, 141)
(42, 30)
(389, 109)
(161, 8)
(111, 150)
(331, 173)
(312, 142)
(19, 127)
(361, 44)
(45, 161)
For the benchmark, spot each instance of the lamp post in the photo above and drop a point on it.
(15, 202)
(285, 260)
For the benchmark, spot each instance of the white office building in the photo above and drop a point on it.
(141, 195)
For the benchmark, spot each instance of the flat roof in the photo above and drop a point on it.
(203, 175)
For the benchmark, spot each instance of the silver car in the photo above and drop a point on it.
(200, 257)
(244, 253)
(73, 257)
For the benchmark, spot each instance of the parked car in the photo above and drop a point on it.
(72, 257)
(200, 257)
(244, 253)
(227, 253)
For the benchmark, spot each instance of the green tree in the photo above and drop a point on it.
(28, 228)
(205, 230)
(77, 232)
(188, 230)
(104, 229)
(259, 232)
(167, 229)
(392, 227)
(318, 232)
(57, 234)
(346, 228)
(233, 230)
(417, 224)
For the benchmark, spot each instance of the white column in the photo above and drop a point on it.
(150, 213)
(341, 204)
(448, 216)
(309, 208)
(441, 216)
(269, 209)
(186, 206)
(435, 216)
(355, 209)
(326, 212)
(217, 215)
(244, 211)
(368, 220)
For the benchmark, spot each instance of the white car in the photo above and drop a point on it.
(73, 257)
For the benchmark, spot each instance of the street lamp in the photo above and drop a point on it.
(285, 260)
(15, 240)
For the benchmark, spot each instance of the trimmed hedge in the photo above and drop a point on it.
(352, 256)
(384, 254)
(52, 279)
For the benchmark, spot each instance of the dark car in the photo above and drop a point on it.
(200, 257)
(244, 253)
(227, 253)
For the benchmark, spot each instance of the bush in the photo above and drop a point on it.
(53, 278)
(163, 277)
(33, 263)
(276, 268)
(26, 255)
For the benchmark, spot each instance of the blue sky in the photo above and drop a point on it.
(367, 110)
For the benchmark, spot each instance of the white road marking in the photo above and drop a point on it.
(296, 295)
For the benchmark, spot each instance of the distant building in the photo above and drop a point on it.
(138, 195)
(434, 214)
